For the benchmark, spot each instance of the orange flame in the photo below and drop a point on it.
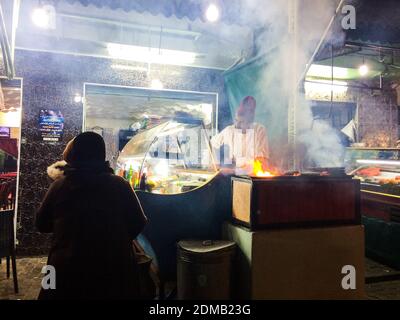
(259, 172)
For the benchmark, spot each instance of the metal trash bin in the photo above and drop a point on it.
(204, 269)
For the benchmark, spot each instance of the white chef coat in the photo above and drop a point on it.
(242, 147)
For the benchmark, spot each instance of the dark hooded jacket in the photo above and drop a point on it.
(94, 215)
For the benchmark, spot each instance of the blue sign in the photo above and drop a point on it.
(51, 125)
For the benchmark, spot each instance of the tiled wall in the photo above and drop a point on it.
(51, 81)
(378, 118)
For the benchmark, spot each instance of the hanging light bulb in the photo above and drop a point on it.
(363, 69)
(212, 13)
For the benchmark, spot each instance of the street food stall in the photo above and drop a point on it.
(172, 168)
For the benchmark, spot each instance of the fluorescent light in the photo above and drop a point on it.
(323, 87)
(379, 162)
(41, 17)
(212, 13)
(150, 55)
(363, 70)
(157, 84)
(128, 68)
(320, 71)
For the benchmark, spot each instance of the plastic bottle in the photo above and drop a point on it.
(130, 174)
(143, 182)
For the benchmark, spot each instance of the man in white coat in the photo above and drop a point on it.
(245, 141)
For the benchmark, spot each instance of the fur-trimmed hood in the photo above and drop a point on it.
(56, 170)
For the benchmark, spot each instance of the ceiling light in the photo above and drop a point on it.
(321, 71)
(150, 55)
(157, 84)
(78, 98)
(40, 17)
(212, 13)
(379, 162)
(363, 70)
(44, 17)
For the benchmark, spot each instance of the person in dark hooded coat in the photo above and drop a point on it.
(94, 215)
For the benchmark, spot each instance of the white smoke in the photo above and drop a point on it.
(322, 143)
(320, 139)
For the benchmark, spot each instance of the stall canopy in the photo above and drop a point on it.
(173, 32)
(191, 9)
(383, 26)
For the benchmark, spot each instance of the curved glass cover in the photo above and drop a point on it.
(171, 158)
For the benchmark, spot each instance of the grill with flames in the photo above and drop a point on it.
(267, 198)
(259, 172)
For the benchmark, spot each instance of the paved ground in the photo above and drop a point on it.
(376, 272)
(29, 279)
(383, 283)
(388, 290)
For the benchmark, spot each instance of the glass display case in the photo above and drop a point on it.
(379, 172)
(378, 169)
(172, 169)
(171, 158)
